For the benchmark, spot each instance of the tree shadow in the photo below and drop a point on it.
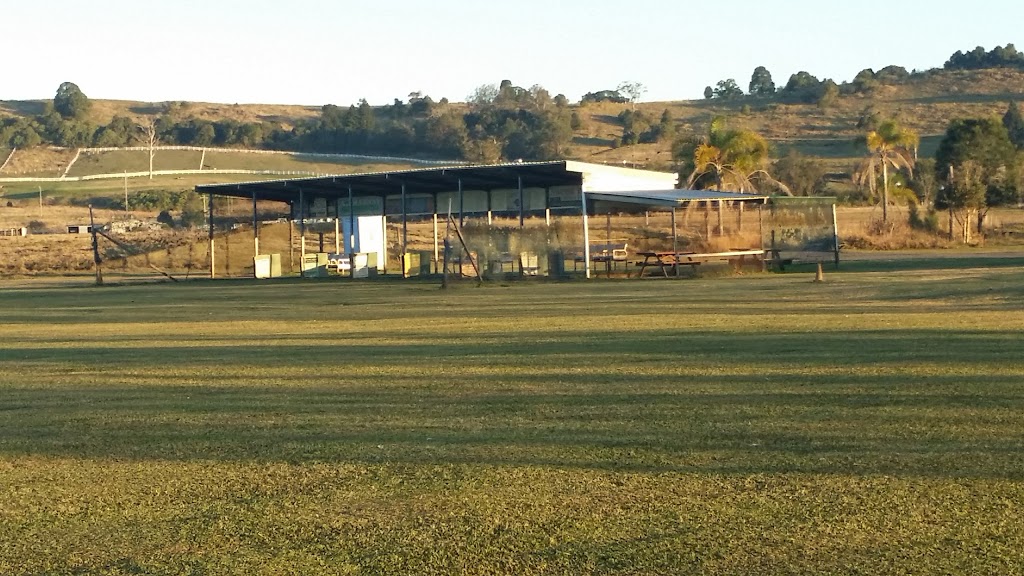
(592, 141)
(148, 109)
(836, 403)
(608, 119)
(819, 147)
(961, 98)
(24, 107)
(341, 159)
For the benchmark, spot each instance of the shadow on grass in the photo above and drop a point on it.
(24, 107)
(961, 98)
(884, 264)
(592, 141)
(842, 403)
(820, 147)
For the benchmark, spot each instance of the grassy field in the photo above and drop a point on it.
(873, 424)
(114, 162)
(138, 161)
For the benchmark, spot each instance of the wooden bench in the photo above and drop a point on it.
(497, 263)
(528, 263)
(609, 254)
(664, 261)
(340, 263)
(737, 258)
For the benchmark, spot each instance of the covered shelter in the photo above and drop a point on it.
(518, 190)
(607, 202)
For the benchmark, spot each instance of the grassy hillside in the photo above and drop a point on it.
(925, 103)
(103, 110)
(62, 192)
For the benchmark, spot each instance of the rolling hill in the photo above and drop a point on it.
(925, 102)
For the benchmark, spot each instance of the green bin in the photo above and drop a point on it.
(556, 264)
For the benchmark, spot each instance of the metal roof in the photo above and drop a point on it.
(671, 198)
(479, 177)
(417, 180)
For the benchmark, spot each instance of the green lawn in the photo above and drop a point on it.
(764, 424)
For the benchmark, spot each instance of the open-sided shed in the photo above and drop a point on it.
(519, 189)
(514, 190)
(607, 202)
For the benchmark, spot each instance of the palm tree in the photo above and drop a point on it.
(889, 145)
(734, 158)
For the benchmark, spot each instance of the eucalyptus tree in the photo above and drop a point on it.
(986, 142)
(761, 83)
(1014, 123)
(633, 90)
(70, 102)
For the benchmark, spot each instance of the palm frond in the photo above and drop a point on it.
(763, 175)
(706, 154)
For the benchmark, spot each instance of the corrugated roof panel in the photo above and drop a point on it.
(670, 198)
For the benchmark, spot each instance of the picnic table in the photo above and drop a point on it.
(664, 260)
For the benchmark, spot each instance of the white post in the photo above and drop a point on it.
(586, 234)
(547, 206)
(383, 264)
(437, 252)
(675, 244)
(337, 232)
(835, 234)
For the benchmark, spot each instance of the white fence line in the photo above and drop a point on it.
(122, 175)
(280, 152)
(80, 151)
(9, 156)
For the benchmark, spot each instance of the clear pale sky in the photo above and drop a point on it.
(318, 51)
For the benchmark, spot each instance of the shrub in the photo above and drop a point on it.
(193, 213)
(102, 202)
(152, 200)
(927, 222)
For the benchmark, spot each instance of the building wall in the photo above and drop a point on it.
(599, 178)
(595, 177)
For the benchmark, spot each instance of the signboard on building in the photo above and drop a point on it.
(364, 206)
(415, 204)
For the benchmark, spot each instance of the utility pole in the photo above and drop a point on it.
(40, 201)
